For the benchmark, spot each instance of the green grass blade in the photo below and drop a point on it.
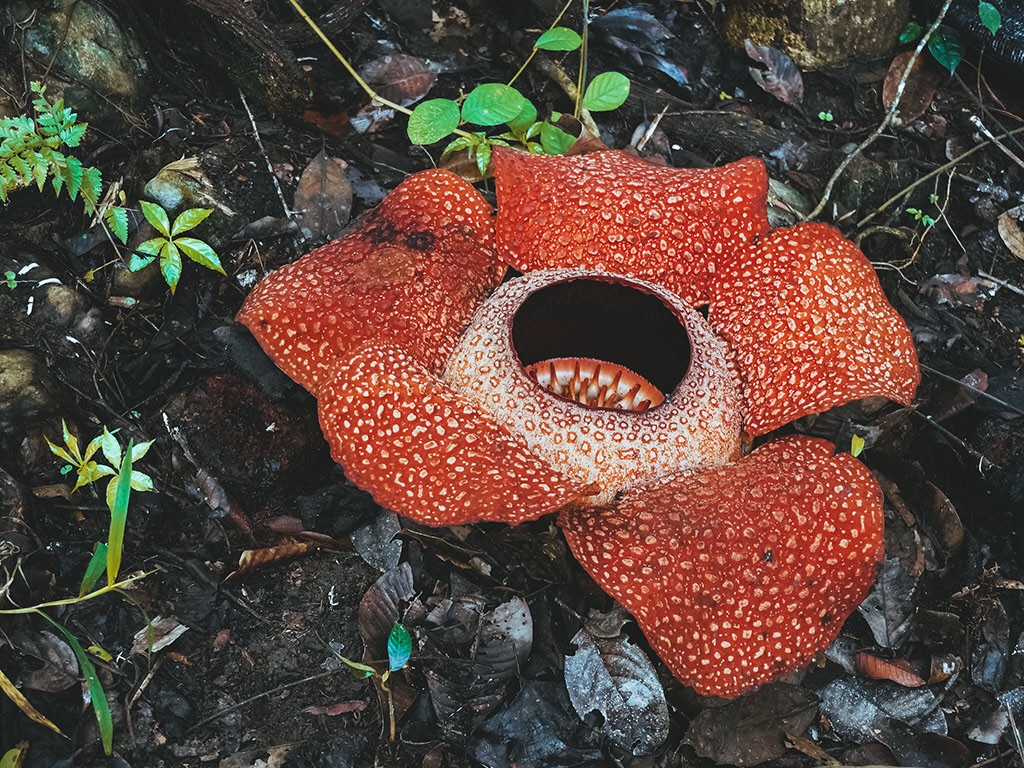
(97, 563)
(92, 680)
(119, 516)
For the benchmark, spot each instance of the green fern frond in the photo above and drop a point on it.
(30, 152)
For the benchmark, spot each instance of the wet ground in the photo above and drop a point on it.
(264, 564)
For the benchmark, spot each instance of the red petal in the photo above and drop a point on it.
(740, 575)
(810, 327)
(426, 452)
(412, 272)
(613, 212)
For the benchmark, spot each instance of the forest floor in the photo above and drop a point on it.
(254, 554)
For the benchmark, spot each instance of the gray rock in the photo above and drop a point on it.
(90, 47)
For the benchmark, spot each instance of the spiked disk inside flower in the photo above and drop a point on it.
(739, 575)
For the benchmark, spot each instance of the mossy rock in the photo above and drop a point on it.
(818, 33)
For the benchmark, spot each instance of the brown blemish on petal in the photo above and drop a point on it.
(411, 273)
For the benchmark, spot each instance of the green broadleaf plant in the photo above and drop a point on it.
(990, 17)
(559, 39)
(169, 246)
(105, 556)
(493, 104)
(606, 92)
(947, 49)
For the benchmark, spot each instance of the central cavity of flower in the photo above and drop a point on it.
(610, 379)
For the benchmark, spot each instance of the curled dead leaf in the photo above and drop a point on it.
(899, 671)
(924, 79)
(1011, 230)
(781, 78)
(251, 559)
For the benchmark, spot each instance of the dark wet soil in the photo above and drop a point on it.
(242, 473)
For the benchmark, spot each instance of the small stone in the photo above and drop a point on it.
(27, 390)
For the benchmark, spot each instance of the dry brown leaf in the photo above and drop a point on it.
(782, 78)
(924, 79)
(943, 667)
(1011, 230)
(53, 491)
(342, 707)
(24, 704)
(251, 559)
(323, 198)
(899, 671)
(399, 77)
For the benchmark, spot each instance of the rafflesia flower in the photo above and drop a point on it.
(658, 327)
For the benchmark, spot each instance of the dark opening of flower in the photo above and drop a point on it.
(638, 342)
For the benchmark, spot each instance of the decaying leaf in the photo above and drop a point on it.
(993, 723)
(341, 708)
(323, 198)
(753, 729)
(991, 656)
(375, 541)
(159, 633)
(899, 671)
(399, 77)
(860, 710)
(251, 559)
(912, 746)
(1011, 230)
(919, 90)
(611, 674)
(957, 290)
(782, 78)
(381, 607)
(59, 668)
(472, 664)
(537, 728)
(889, 607)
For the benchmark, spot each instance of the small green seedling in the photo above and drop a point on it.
(90, 471)
(826, 116)
(106, 556)
(921, 216)
(11, 279)
(856, 446)
(399, 653)
(169, 246)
